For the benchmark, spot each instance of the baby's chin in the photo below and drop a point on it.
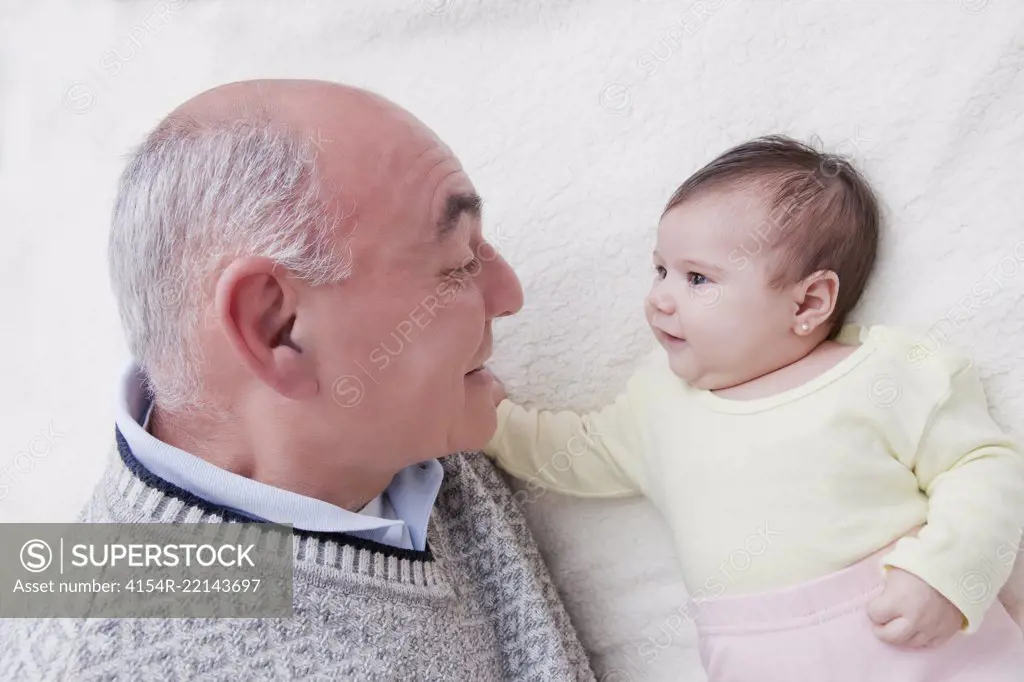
(693, 376)
(684, 370)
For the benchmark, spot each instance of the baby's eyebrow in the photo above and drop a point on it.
(698, 265)
(689, 263)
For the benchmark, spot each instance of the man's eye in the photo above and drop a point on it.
(660, 271)
(696, 279)
(470, 268)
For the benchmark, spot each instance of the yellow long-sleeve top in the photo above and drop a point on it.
(775, 491)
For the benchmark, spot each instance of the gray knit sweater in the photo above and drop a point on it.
(478, 605)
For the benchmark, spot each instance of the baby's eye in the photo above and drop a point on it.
(660, 271)
(696, 279)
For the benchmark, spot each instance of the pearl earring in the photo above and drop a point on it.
(805, 327)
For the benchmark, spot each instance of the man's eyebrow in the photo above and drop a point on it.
(454, 206)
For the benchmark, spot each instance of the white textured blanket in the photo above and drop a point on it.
(575, 119)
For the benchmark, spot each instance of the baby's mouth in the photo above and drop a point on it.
(670, 338)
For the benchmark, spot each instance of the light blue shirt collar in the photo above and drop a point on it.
(398, 517)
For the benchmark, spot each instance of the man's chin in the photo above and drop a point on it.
(477, 430)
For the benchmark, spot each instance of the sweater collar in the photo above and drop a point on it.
(132, 494)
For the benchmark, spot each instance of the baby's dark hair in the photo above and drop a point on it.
(823, 214)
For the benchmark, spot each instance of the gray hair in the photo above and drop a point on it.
(195, 195)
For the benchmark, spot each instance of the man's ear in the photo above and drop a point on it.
(257, 305)
(815, 298)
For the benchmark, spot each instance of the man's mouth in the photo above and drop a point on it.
(481, 375)
(479, 368)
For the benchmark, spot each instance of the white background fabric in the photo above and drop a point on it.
(575, 119)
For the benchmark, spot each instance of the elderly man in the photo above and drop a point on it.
(303, 282)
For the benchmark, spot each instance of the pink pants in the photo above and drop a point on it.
(820, 632)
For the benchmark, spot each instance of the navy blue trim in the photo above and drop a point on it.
(153, 481)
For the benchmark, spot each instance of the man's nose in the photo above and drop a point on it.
(503, 294)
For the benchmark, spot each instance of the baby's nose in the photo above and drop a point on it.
(662, 302)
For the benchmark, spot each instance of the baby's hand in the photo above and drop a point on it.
(911, 613)
(498, 391)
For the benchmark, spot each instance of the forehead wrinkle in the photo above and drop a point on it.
(414, 181)
(398, 176)
(423, 165)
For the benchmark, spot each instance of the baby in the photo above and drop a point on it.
(856, 471)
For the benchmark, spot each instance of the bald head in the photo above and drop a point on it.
(370, 153)
(366, 134)
(303, 106)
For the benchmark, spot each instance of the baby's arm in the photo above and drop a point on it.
(598, 454)
(973, 475)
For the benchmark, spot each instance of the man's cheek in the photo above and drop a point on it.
(447, 291)
(463, 316)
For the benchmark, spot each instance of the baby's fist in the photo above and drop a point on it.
(911, 613)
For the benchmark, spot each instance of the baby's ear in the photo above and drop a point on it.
(816, 297)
